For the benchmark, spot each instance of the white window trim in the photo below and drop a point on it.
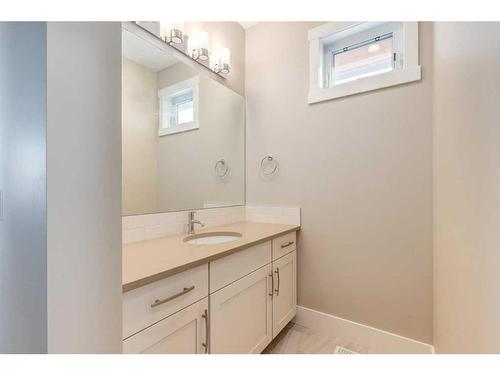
(193, 83)
(410, 70)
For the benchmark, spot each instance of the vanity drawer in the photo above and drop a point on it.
(230, 268)
(284, 244)
(144, 306)
(185, 332)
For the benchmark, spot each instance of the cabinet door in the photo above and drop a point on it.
(184, 332)
(241, 314)
(285, 291)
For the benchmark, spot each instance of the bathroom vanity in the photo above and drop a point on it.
(230, 297)
(226, 289)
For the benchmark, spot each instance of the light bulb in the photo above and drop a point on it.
(225, 56)
(203, 39)
(215, 60)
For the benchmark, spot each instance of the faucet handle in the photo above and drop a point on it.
(192, 222)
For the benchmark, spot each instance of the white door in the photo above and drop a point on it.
(184, 332)
(285, 291)
(241, 314)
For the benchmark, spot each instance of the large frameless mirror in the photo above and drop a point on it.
(183, 132)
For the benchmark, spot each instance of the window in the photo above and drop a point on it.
(349, 58)
(363, 59)
(179, 107)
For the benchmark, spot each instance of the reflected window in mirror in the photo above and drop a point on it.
(167, 166)
(179, 107)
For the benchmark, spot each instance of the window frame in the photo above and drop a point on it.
(357, 37)
(169, 91)
(322, 38)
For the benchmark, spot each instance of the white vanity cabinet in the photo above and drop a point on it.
(169, 316)
(149, 304)
(225, 270)
(285, 291)
(251, 310)
(185, 332)
(236, 303)
(241, 315)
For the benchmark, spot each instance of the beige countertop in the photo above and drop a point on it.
(152, 260)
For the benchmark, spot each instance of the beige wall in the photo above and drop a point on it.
(139, 138)
(186, 177)
(360, 168)
(230, 35)
(467, 188)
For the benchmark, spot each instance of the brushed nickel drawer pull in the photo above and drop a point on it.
(205, 344)
(289, 243)
(272, 284)
(162, 301)
(277, 290)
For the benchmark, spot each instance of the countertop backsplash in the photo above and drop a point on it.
(145, 227)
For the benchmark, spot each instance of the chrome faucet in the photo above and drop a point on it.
(192, 222)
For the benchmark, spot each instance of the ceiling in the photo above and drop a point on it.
(143, 53)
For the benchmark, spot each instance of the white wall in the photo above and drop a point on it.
(467, 187)
(23, 255)
(361, 170)
(84, 187)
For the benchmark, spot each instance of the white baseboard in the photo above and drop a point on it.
(373, 340)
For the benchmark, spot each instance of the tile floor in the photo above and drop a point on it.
(296, 339)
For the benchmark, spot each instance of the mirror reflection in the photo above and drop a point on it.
(183, 134)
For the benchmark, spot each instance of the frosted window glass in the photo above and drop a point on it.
(363, 61)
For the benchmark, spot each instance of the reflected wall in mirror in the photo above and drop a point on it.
(183, 134)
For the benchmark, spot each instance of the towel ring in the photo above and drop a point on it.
(269, 160)
(221, 168)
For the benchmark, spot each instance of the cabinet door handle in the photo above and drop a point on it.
(159, 302)
(205, 344)
(277, 290)
(272, 284)
(289, 243)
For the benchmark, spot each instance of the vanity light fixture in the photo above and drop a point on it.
(220, 61)
(198, 45)
(172, 32)
(195, 46)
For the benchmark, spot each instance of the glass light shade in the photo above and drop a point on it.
(225, 56)
(172, 31)
(215, 60)
(199, 40)
(198, 45)
(220, 60)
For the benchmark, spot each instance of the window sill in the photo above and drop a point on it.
(178, 129)
(393, 78)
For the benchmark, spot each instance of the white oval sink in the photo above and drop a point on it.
(212, 238)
